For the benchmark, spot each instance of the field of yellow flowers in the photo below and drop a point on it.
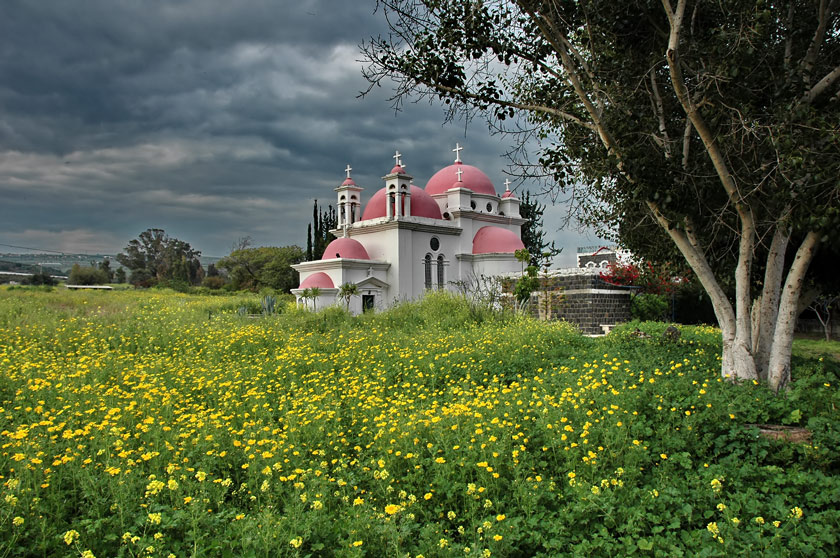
(162, 424)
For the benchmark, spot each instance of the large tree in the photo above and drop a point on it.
(318, 234)
(154, 257)
(265, 266)
(715, 122)
(533, 235)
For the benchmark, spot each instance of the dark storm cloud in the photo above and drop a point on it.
(211, 119)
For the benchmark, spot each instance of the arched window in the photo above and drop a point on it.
(440, 272)
(427, 263)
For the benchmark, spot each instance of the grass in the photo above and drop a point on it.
(811, 347)
(161, 424)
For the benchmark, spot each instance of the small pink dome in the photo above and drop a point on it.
(320, 280)
(508, 194)
(471, 178)
(494, 240)
(422, 205)
(397, 170)
(348, 182)
(345, 248)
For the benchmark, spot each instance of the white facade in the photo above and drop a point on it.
(408, 240)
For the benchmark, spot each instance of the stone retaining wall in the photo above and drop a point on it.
(581, 297)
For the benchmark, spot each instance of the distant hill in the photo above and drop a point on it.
(18, 267)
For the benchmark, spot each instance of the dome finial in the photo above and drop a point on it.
(397, 156)
(347, 170)
(507, 184)
(457, 151)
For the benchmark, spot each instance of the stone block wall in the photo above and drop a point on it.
(581, 297)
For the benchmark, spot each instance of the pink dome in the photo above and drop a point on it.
(471, 178)
(494, 240)
(508, 194)
(397, 170)
(348, 182)
(320, 280)
(422, 205)
(345, 248)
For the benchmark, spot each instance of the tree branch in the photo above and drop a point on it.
(820, 87)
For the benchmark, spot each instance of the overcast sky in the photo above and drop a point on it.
(210, 119)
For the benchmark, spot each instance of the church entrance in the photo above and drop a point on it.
(367, 302)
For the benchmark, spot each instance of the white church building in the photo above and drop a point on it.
(406, 240)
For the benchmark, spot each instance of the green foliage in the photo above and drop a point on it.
(649, 307)
(154, 257)
(87, 275)
(132, 420)
(318, 234)
(267, 266)
(533, 235)
(37, 279)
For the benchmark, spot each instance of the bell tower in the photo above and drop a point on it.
(349, 202)
(397, 190)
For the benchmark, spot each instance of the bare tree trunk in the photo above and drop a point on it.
(766, 307)
(778, 372)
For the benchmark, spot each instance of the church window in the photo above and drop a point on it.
(472, 204)
(427, 264)
(440, 272)
(434, 244)
(489, 207)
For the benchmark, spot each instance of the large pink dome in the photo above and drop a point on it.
(493, 240)
(320, 280)
(345, 248)
(471, 178)
(422, 205)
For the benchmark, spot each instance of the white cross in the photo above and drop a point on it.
(459, 172)
(347, 170)
(397, 156)
(507, 184)
(457, 151)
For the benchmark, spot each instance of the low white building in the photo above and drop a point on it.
(406, 240)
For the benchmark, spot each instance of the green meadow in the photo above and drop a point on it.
(162, 424)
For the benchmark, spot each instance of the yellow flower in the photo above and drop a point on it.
(201, 475)
(721, 506)
(497, 538)
(154, 518)
(71, 536)
(391, 509)
(796, 512)
(713, 529)
(427, 496)
(17, 521)
(440, 460)
(296, 542)
(172, 484)
(500, 517)
(88, 554)
(357, 543)
(759, 520)
(451, 515)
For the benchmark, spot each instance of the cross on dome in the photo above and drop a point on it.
(457, 151)
(397, 156)
(507, 184)
(347, 170)
(459, 172)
